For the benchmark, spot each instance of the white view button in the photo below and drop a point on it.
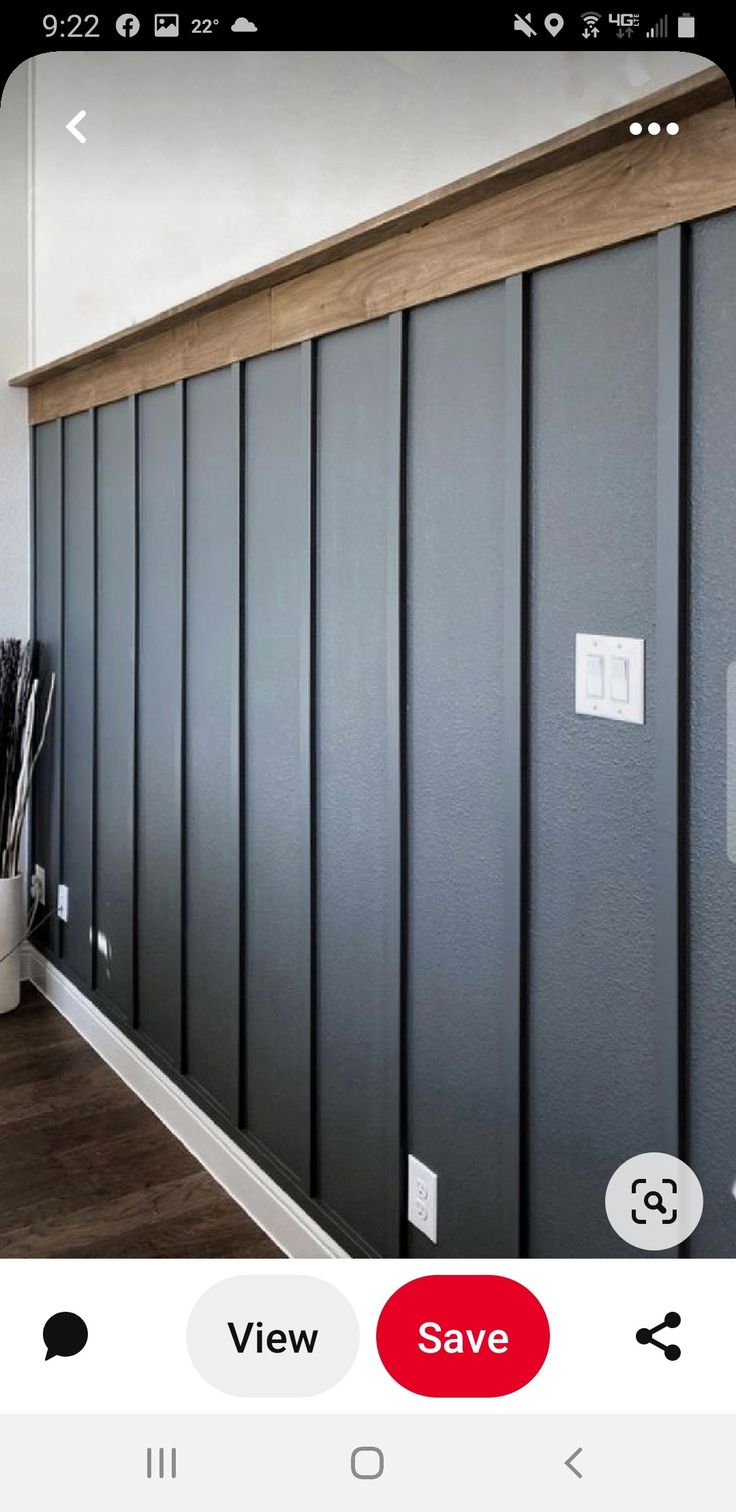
(272, 1336)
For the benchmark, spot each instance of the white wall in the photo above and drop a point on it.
(13, 353)
(198, 167)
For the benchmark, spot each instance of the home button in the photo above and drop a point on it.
(367, 1462)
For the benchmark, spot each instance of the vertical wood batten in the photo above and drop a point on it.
(308, 734)
(396, 734)
(31, 813)
(513, 1114)
(60, 692)
(135, 405)
(183, 1037)
(240, 375)
(95, 691)
(671, 691)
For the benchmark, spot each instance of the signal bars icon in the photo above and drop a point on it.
(661, 29)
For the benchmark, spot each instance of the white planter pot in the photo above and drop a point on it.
(12, 929)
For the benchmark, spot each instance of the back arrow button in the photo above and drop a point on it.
(73, 124)
(571, 1466)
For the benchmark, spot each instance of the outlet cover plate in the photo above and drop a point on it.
(422, 1202)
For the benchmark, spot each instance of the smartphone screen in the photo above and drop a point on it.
(367, 762)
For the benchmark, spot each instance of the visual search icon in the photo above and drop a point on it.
(654, 1201)
(647, 1336)
(64, 1334)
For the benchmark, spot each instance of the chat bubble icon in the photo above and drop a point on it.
(64, 1334)
(268, 1336)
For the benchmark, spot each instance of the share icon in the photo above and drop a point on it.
(646, 1336)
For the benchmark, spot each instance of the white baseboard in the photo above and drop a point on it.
(261, 1198)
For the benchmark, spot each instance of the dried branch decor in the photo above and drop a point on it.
(19, 717)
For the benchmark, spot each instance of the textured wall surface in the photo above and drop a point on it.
(593, 524)
(712, 877)
(276, 684)
(455, 561)
(159, 717)
(298, 865)
(357, 773)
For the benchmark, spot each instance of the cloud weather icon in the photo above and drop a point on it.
(242, 25)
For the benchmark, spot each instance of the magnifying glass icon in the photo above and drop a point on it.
(653, 1201)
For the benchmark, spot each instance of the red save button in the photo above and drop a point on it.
(463, 1336)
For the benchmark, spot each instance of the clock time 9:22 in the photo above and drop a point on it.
(71, 26)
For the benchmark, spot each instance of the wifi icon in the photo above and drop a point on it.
(590, 21)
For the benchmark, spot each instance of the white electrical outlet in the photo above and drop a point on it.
(62, 902)
(38, 885)
(423, 1198)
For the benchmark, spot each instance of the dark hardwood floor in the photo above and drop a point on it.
(87, 1170)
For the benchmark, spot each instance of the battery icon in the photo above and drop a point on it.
(686, 25)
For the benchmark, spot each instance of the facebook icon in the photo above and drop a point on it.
(127, 25)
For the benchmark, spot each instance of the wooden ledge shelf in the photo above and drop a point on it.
(589, 188)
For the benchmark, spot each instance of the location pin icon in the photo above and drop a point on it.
(554, 23)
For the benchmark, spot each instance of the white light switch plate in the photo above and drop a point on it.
(611, 650)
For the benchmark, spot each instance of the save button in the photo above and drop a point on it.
(463, 1336)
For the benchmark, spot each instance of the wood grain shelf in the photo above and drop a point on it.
(589, 188)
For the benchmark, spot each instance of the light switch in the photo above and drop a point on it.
(609, 677)
(620, 679)
(594, 678)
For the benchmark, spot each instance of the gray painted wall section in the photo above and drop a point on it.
(357, 761)
(712, 877)
(592, 1003)
(212, 737)
(455, 768)
(311, 906)
(115, 768)
(78, 691)
(47, 592)
(159, 716)
(277, 755)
